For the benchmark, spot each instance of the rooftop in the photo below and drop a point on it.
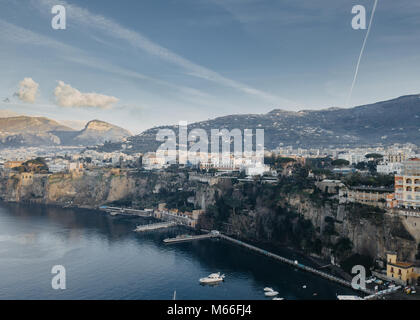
(404, 265)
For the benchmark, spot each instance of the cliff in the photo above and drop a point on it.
(253, 211)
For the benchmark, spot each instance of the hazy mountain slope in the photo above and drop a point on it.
(40, 131)
(99, 131)
(24, 124)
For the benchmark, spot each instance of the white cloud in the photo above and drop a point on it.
(67, 96)
(28, 90)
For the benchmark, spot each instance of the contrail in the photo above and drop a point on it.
(361, 53)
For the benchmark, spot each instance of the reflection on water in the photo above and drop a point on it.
(105, 259)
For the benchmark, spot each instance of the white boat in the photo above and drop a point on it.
(278, 298)
(271, 293)
(268, 289)
(213, 278)
(348, 297)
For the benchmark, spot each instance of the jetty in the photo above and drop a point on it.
(126, 211)
(295, 264)
(215, 234)
(185, 238)
(154, 226)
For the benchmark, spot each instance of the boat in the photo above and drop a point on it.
(278, 298)
(213, 278)
(271, 293)
(348, 297)
(268, 289)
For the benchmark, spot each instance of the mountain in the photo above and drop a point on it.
(40, 131)
(101, 131)
(382, 123)
(25, 124)
(74, 124)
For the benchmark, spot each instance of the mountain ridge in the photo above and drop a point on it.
(380, 123)
(18, 131)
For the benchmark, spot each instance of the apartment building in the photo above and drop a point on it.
(407, 185)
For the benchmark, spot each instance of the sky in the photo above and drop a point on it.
(142, 63)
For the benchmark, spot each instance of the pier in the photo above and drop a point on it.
(295, 264)
(126, 211)
(214, 234)
(154, 226)
(190, 238)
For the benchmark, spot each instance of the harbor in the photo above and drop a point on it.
(105, 244)
(371, 294)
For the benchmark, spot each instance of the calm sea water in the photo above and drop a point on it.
(105, 259)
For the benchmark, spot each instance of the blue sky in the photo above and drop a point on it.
(164, 61)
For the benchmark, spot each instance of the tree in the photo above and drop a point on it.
(340, 163)
(375, 156)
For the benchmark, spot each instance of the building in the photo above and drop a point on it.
(401, 272)
(257, 170)
(396, 157)
(329, 186)
(12, 164)
(407, 185)
(353, 158)
(390, 168)
(365, 195)
(152, 161)
(344, 171)
(391, 202)
(26, 178)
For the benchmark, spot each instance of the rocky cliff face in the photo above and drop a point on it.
(371, 233)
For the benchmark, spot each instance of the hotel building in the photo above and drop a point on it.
(407, 185)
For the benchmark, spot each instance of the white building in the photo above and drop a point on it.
(353, 158)
(152, 161)
(390, 168)
(407, 185)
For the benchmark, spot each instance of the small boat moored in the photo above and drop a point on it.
(268, 292)
(348, 297)
(213, 278)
